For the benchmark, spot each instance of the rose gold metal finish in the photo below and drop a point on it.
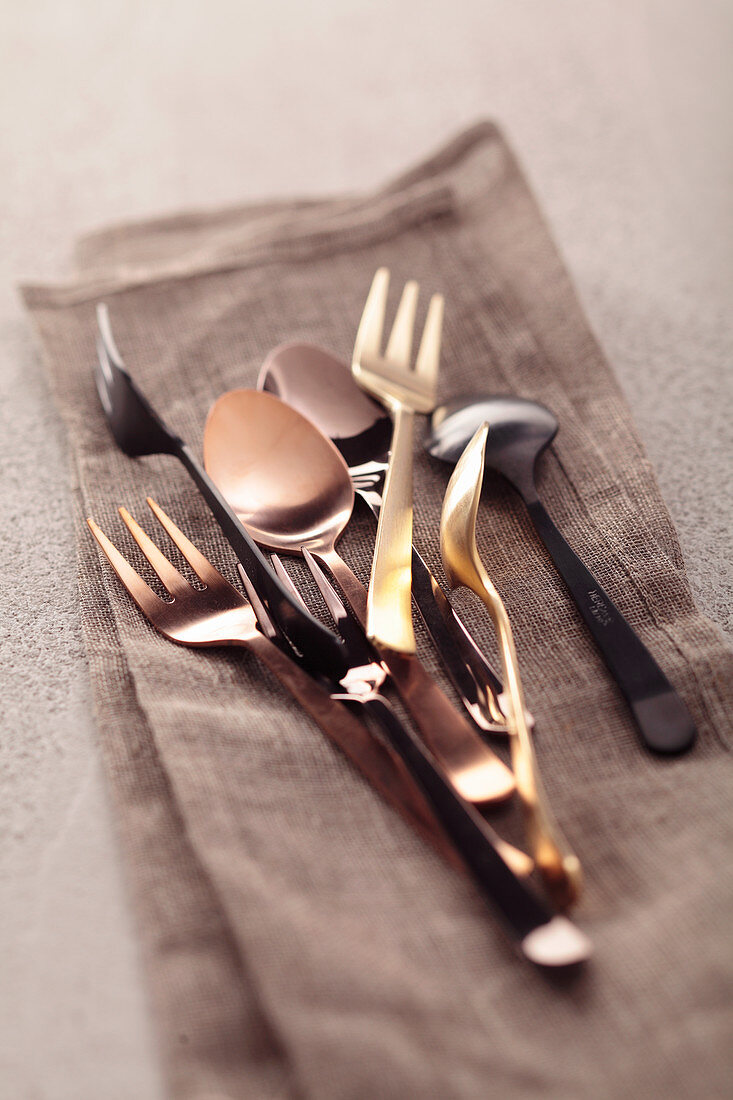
(291, 489)
(371, 677)
(557, 864)
(323, 389)
(221, 616)
(388, 377)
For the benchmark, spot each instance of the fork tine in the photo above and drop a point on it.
(399, 347)
(171, 578)
(201, 566)
(147, 600)
(268, 627)
(286, 579)
(428, 357)
(369, 334)
(334, 602)
(346, 621)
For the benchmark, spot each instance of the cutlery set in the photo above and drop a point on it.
(282, 466)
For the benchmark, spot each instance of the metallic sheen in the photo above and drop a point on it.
(291, 489)
(219, 615)
(463, 567)
(495, 866)
(403, 392)
(520, 431)
(139, 430)
(322, 388)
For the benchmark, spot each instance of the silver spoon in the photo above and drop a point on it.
(519, 431)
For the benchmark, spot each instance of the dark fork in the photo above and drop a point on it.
(138, 430)
(544, 937)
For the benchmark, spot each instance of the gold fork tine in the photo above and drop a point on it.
(399, 347)
(369, 334)
(171, 578)
(148, 602)
(201, 566)
(428, 357)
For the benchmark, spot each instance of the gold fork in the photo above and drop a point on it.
(403, 392)
(221, 616)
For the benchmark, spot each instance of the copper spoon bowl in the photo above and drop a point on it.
(286, 482)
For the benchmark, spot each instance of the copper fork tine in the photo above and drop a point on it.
(175, 583)
(148, 601)
(201, 566)
(266, 624)
(286, 579)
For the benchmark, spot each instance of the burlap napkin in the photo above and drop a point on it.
(301, 941)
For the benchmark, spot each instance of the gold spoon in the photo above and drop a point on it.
(463, 567)
(291, 489)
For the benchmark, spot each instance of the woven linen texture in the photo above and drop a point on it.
(301, 941)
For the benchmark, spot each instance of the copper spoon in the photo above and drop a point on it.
(291, 489)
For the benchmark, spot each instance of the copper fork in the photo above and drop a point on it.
(219, 615)
(387, 377)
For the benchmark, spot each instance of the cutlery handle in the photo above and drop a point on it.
(473, 677)
(521, 910)
(558, 865)
(389, 606)
(377, 761)
(476, 772)
(665, 724)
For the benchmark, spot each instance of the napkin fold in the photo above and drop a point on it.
(300, 939)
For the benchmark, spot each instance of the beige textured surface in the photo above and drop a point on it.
(113, 111)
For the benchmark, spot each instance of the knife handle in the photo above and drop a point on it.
(377, 761)
(544, 938)
(473, 768)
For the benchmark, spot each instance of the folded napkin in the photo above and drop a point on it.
(300, 939)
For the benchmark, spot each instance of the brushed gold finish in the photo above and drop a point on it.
(220, 615)
(558, 866)
(291, 489)
(403, 392)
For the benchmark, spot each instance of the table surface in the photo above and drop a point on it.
(114, 110)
